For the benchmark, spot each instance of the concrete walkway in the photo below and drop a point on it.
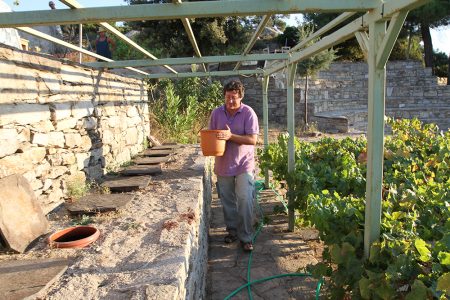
(276, 251)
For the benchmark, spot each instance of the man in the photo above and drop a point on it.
(235, 169)
(103, 44)
(52, 5)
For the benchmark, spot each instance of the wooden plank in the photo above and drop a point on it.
(126, 184)
(20, 279)
(99, 203)
(142, 170)
(151, 160)
(151, 152)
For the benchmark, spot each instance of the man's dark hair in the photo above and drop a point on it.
(234, 85)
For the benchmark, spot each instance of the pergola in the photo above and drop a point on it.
(376, 31)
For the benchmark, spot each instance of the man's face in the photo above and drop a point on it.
(232, 100)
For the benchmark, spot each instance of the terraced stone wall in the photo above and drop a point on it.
(61, 122)
(341, 92)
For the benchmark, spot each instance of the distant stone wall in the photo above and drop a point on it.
(342, 91)
(61, 121)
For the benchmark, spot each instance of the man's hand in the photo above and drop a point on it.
(225, 135)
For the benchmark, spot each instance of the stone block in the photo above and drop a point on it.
(86, 143)
(19, 85)
(132, 112)
(68, 158)
(72, 140)
(20, 163)
(108, 137)
(43, 126)
(66, 124)
(83, 108)
(131, 136)
(82, 160)
(56, 171)
(89, 123)
(40, 139)
(23, 114)
(21, 217)
(56, 139)
(48, 83)
(61, 111)
(9, 141)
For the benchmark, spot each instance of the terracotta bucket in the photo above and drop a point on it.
(74, 237)
(211, 145)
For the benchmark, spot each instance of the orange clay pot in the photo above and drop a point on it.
(211, 145)
(74, 237)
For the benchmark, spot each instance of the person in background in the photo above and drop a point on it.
(52, 5)
(235, 169)
(103, 44)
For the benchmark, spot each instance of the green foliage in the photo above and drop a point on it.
(290, 36)
(401, 51)
(411, 259)
(183, 107)
(440, 64)
(168, 38)
(81, 221)
(310, 66)
(77, 187)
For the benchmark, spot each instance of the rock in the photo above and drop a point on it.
(68, 158)
(40, 139)
(57, 171)
(82, 160)
(24, 134)
(47, 184)
(89, 123)
(23, 114)
(21, 217)
(86, 143)
(82, 109)
(9, 141)
(21, 162)
(60, 111)
(132, 112)
(56, 139)
(66, 124)
(73, 140)
(131, 136)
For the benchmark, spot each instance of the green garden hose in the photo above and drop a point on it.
(259, 185)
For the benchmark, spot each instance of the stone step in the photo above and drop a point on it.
(142, 170)
(151, 152)
(98, 203)
(166, 147)
(126, 184)
(151, 160)
(29, 279)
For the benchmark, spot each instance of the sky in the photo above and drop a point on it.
(440, 36)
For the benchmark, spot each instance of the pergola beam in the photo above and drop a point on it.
(363, 41)
(204, 74)
(167, 11)
(73, 4)
(50, 38)
(255, 36)
(187, 60)
(190, 34)
(341, 18)
(395, 25)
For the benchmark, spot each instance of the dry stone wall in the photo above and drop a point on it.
(60, 122)
(342, 91)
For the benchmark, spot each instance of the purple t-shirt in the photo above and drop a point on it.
(237, 158)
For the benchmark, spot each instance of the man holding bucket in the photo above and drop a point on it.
(235, 169)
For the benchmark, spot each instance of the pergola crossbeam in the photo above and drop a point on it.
(167, 11)
(363, 41)
(187, 60)
(75, 5)
(341, 18)
(255, 36)
(190, 34)
(204, 74)
(50, 38)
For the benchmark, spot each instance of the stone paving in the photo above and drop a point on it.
(276, 251)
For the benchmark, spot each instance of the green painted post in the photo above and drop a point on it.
(375, 136)
(265, 87)
(291, 130)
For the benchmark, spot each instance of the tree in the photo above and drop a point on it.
(311, 66)
(168, 38)
(434, 14)
(348, 50)
(290, 37)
